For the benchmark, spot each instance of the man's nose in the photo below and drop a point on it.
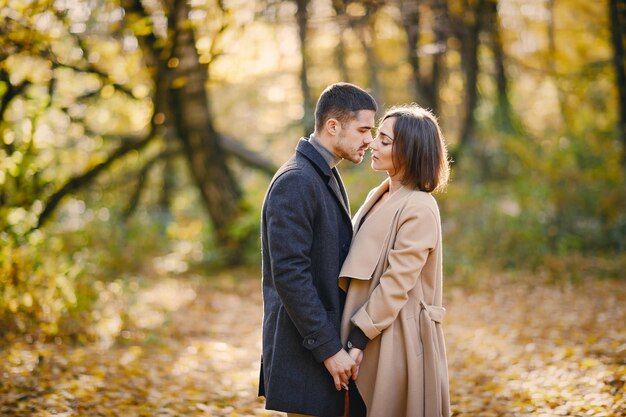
(368, 139)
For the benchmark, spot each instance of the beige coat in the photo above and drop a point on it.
(394, 272)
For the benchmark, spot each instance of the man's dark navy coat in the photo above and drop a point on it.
(305, 237)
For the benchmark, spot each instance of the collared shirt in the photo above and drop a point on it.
(332, 161)
(328, 156)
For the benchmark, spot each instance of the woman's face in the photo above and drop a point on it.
(382, 146)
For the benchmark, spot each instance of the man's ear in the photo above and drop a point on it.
(332, 126)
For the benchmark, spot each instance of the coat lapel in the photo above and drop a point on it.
(371, 199)
(367, 247)
(327, 174)
(341, 191)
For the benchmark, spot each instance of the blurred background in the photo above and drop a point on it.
(137, 138)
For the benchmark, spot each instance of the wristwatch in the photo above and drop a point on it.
(349, 345)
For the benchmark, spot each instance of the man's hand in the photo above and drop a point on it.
(340, 367)
(357, 356)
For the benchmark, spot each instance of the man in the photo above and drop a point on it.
(305, 236)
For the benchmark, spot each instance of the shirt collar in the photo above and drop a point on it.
(328, 156)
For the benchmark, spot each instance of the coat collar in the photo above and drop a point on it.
(384, 212)
(372, 236)
(305, 148)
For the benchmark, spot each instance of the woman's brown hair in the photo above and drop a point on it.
(419, 149)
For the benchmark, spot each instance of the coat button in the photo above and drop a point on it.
(310, 341)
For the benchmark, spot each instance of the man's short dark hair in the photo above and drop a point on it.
(342, 101)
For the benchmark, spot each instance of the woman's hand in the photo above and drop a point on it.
(357, 355)
(340, 368)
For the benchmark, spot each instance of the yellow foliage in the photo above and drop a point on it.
(514, 350)
(29, 295)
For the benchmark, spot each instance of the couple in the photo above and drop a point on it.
(353, 308)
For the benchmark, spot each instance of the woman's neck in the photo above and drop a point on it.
(395, 183)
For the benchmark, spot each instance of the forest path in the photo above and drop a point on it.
(513, 350)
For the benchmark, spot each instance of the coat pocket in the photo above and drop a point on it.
(414, 341)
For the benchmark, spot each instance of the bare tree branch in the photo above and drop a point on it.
(11, 92)
(78, 182)
(245, 155)
(142, 176)
(101, 74)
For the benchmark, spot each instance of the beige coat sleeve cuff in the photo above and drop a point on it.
(364, 322)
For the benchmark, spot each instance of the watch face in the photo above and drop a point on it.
(349, 344)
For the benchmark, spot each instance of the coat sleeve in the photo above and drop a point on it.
(418, 234)
(290, 217)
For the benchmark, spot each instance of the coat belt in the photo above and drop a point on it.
(430, 317)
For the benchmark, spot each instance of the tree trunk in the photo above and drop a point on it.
(340, 55)
(192, 116)
(340, 52)
(426, 86)
(618, 35)
(168, 176)
(441, 23)
(411, 23)
(302, 16)
(364, 27)
(469, 62)
(561, 92)
(371, 59)
(503, 113)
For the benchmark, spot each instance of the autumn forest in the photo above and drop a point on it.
(138, 137)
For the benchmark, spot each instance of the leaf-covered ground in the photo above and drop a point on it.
(513, 350)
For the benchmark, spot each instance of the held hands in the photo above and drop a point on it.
(357, 356)
(340, 366)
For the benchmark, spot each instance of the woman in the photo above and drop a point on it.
(393, 274)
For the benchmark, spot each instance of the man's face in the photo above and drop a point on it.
(353, 137)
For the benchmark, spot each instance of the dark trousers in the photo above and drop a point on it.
(355, 402)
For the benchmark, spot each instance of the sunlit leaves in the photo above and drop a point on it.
(537, 351)
(513, 350)
(27, 292)
(202, 362)
(139, 25)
